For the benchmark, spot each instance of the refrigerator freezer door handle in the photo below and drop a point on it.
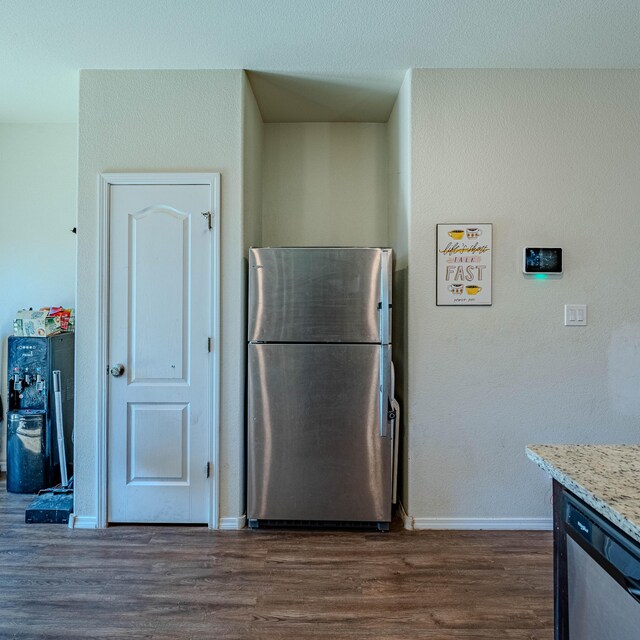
(384, 306)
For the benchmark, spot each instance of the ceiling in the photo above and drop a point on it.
(314, 59)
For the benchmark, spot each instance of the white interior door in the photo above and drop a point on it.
(160, 276)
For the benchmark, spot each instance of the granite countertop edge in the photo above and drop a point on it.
(600, 505)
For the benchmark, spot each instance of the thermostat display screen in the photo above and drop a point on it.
(542, 260)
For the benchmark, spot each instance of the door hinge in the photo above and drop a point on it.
(207, 215)
(208, 469)
(209, 345)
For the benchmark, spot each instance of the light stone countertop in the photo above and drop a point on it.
(606, 477)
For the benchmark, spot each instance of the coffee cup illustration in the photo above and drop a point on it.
(473, 289)
(456, 288)
(473, 232)
(457, 234)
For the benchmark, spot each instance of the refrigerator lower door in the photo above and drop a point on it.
(319, 446)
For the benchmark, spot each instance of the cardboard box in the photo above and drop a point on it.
(66, 317)
(35, 323)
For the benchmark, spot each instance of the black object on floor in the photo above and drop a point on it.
(27, 465)
(51, 506)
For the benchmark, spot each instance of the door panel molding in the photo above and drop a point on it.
(105, 181)
(145, 258)
(144, 466)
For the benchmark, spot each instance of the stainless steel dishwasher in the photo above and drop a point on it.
(602, 576)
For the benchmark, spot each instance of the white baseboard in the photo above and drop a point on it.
(82, 522)
(496, 524)
(233, 524)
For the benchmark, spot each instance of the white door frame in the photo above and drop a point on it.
(105, 180)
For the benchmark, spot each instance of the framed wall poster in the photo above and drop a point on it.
(463, 269)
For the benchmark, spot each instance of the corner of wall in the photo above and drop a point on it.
(252, 128)
(399, 220)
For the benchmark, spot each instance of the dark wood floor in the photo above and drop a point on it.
(181, 582)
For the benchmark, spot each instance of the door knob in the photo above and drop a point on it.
(117, 370)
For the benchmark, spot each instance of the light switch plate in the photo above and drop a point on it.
(575, 315)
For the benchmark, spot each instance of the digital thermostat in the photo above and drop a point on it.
(542, 260)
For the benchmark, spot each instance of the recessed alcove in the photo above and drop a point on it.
(326, 163)
(325, 177)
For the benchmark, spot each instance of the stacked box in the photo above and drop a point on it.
(44, 322)
(35, 323)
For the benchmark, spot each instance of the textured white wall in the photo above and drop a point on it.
(325, 184)
(252, 155)
(550, 158)
(399, 145)
(38, 174)
(161, 121)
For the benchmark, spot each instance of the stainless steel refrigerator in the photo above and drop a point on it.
(320, 414)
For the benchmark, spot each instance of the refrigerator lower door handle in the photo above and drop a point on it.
(384, 424)
(382, 414)
(385, 381)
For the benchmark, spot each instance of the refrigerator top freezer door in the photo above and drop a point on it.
(320, 295)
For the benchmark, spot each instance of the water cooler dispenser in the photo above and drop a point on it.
(32, 456)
